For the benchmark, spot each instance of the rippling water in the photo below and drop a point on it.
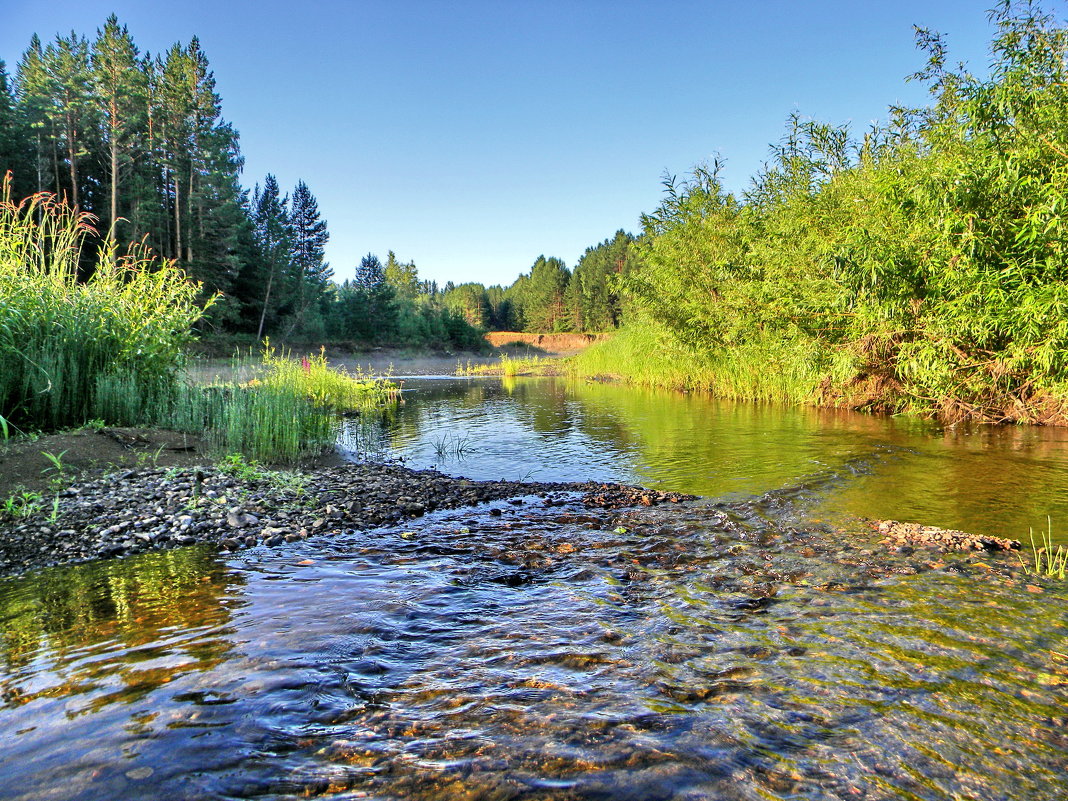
(707, 651)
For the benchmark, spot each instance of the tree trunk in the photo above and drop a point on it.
(189, 216)
(263, 314)
(114, 172)
(168, 242)
(177, 217)
(55, 162)
(72, 151)
(114, 188)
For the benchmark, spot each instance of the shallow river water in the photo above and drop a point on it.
(722, 649)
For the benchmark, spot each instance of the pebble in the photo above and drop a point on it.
(155, 509)
(904, 535)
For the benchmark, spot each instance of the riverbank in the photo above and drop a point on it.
(802, 372)
(236, 505)
(402, 362)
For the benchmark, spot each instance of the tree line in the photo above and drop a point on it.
(139, 141)
(552, 298)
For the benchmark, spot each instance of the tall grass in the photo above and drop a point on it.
(510, 367)
(111, 347)
(60, 336)
(1049, 561)
(288, 411)
(325, 386)
(784, 371)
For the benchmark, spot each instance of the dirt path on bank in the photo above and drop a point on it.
(24, 466)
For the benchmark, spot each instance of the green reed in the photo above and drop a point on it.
(1048, 562)
(288, 411)
(59, 335)
(510, 367)
(780, 371)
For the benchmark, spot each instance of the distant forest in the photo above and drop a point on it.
(139, 141)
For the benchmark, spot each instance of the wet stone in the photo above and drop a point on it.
(153, 508)
(904, 536)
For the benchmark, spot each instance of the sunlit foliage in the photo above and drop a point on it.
(922, 265)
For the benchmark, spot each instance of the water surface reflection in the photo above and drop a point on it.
(988, 480)
(702, 654)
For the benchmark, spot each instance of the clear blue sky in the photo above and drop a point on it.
(474, 136)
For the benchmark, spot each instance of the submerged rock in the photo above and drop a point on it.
(617, 496)
(905, 535)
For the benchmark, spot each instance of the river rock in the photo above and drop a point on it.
(903, 535)
(152, 509)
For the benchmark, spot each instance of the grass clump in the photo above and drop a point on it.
(22, 504)
(1047, 560)
(110, 347)
(60, 336)
(325, 386)
(286, 412)
(510, 367)
(770, 369)
(236, 465)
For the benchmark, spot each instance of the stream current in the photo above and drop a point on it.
(730, 648)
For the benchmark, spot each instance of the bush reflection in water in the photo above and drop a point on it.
(997, 481)
(704, 653)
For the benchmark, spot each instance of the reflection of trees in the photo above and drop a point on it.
(988, 480)
(126, 608)
(421, 410)
(543, 405)
(995, 481)
(699, 444)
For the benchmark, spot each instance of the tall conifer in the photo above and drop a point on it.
(14, 138)
(72, 110)
(121, 94)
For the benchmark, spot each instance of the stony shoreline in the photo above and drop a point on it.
(141, 509)
(147, 509)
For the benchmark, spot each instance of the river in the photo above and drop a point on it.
(732, 648)
(998, 481)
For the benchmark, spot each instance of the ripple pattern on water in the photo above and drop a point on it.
(986, 480)
(703, 654)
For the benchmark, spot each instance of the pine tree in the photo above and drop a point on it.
(218, 223)
(310, 236)
(14, 139)
(370, 273)
(120, 89)
(402, 276)
(544, 309)
(273, 238)
(469, 301)
(209, 141)
(173, 113)
(33, 94)
(592, 295)
(72, 111)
